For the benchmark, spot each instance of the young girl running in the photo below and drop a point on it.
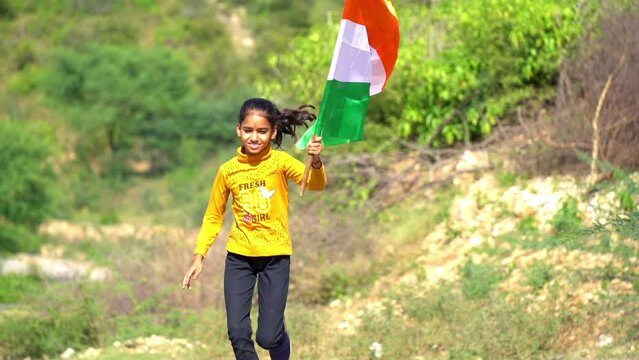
(259, 246)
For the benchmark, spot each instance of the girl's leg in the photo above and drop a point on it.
(239, 283)
(272, 295)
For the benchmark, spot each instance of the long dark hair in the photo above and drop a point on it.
(284, 121)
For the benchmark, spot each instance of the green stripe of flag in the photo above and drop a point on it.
(342, 114)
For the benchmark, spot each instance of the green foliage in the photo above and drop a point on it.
(506, 178)
(539, 274)
(300, 73)
(24, 55)
(211, 48)
(291, 17)
(129, 103)
(494, 55)
(109, 217)
(528, 225)
(87, 190)
(567, 218)
(627, 202)
(17, 288)
(6, 9)
(335, 285)
(442, 323)
(25, 81)
(478, 280)
(62, 7)
(461, 65)
(114, 30)
(18, 238)
(59, 324)
(28, 180)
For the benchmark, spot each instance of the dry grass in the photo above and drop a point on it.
(607, 58)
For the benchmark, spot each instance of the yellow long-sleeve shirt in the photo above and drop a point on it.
(259, 184)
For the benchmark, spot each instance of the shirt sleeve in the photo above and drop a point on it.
(294, 169)
(214, 215)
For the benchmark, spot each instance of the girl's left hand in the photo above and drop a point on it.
(315, 146)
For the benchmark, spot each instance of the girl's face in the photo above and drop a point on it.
(256, 133)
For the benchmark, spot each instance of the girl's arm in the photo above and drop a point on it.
(294, 169)
(214, 215)
(193, 272)
(211, 225)
(314, 148)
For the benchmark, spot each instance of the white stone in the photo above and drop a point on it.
(604, 340)
(67, 354)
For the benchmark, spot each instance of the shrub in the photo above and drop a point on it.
(18, 238)
(478, 280)
(606, 59)
(60, 324)
(335, 285)
(478, 60)
(16, 288)
(444, 323)
(538, 275)
(567, 218)
(28, 180)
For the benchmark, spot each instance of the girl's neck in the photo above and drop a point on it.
(243, 156)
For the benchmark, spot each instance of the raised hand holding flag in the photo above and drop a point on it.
(363, 60)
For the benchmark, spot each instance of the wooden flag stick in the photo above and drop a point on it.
(307, 170)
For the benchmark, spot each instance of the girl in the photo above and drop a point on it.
(258, 246)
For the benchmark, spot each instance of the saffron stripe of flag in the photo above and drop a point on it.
(363, 60)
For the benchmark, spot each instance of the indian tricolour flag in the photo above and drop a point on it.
(363, 60)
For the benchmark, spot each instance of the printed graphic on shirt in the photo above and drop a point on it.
(256, 218)
(255, 198)
(252, 185)
(266, 193)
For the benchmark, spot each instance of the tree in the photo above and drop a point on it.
(125, 102)
(462, 65)
(28, 180)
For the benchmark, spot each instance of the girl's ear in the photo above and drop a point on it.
(274, 134)
(238, 131)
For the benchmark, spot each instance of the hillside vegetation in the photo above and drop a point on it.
(492, 211)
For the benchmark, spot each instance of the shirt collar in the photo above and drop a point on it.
(256, 158)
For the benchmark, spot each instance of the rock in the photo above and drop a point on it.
(90, 353)
(472, 160)
(52, 268)
(67, 354)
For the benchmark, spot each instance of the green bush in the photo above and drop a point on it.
(442, 323)
(62, 323)
(478, 280)
(567, 218)
(114, 30)
(25, 81)
(528, 225)
(16, 288)
(335, 285)
(18, 238)
(28, 180)
(539, 274)
(461, 65)
(131, 103)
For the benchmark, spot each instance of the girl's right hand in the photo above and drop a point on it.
(194, 271)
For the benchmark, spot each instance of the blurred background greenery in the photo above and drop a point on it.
(119, 111)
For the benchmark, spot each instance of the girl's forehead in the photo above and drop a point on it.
(255, 120)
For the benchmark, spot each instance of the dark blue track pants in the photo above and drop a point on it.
(272, 276)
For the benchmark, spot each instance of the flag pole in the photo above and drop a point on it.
(307, 170)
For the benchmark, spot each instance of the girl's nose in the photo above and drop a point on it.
(254, 136)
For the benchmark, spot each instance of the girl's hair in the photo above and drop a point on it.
(284, 121)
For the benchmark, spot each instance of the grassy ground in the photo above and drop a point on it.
(490, 266)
